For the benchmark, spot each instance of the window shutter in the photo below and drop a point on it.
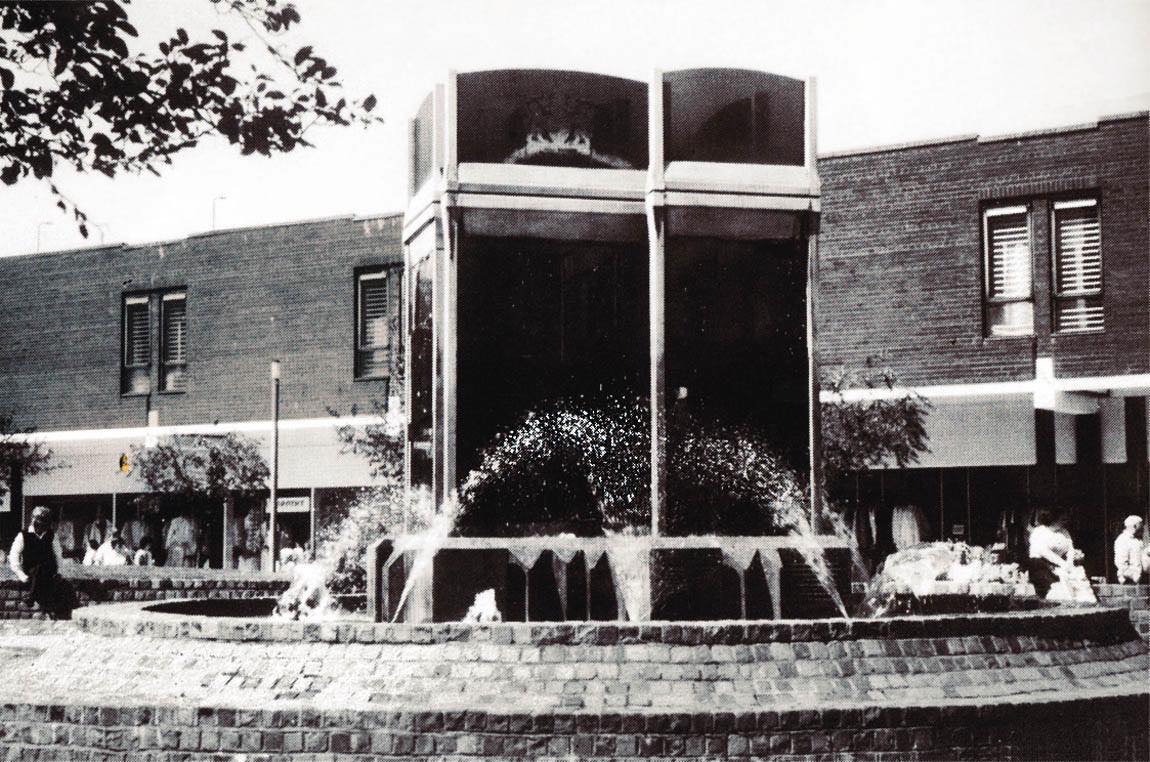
(373, 311)
(136, 328)
(1009, 251)
(1078, 266)
(175, 331)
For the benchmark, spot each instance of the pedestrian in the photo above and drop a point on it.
(35, 559)
(1128, 551)
(1051, 554)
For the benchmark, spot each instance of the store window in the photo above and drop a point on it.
(1077, 231)
(1009, 292)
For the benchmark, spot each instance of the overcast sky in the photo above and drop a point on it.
(888, 72)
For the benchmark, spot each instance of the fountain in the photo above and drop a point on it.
(609, 407)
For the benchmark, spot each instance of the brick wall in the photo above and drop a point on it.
(283, 291)
(901, 253)
(89, 587)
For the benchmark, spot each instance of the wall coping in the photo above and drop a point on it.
(1095, 623)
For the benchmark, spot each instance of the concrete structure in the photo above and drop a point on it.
(113, 347)
(558, 227)
(1006, 279)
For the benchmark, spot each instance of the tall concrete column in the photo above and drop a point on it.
(450, 318)
(815, 438)
(656, 237)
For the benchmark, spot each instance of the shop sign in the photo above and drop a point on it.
(293, 504)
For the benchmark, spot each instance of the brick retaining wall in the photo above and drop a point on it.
(110, 587)
(122, 683)
(1133, 598)
(1088, 728)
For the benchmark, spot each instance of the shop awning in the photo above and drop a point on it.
(980, 431)
(89, 464)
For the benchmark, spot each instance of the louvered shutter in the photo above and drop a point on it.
(1009, 241)
(373, 325)
(175, 330)
(135, 375)
(373, 311)
(1009, 288)
(136, 328)
(174, 341)
(1078, 266)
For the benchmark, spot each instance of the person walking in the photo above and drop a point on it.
(1128, 551)
(35, 559)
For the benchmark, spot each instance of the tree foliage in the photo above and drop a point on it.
(77, 90)
(380, 443)
(201, 465)
(18, 455)
(860, 434)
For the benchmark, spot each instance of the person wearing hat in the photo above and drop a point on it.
(35, 559)
(1128, 551)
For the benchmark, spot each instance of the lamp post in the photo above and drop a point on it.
(39, 230)
(272, 527)
(214, 201)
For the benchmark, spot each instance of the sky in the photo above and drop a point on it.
(888, 72)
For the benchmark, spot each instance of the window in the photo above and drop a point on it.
(135, 376)
(372, 325)
(1077, 233)
(173, 341)
(1009, 290)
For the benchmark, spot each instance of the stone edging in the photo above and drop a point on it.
(1096, 624)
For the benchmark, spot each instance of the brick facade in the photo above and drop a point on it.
(283, 291)
(901, 253)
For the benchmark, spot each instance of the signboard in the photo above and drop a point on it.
(293, 504)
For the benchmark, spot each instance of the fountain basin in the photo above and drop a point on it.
(1017, 684)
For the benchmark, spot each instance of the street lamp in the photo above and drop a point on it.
(272, 528)
(39, 229)
(214, 200)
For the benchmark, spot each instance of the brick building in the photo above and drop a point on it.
(1036, 357)
(110, 347)
(1006, 279)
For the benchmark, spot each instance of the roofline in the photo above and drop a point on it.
(209, 233)
(975, 138)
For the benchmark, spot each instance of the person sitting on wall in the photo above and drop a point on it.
(143, 555)
(90, 553)
(1051, 554)
(112, 552)
(35, 559)
(99, 528)
(1128, 551)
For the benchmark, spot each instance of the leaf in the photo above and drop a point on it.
(10, 174)
(302, 54)
(84, 230)
(220, 36)
(182, 36)
(7, 78)
(369, 103)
